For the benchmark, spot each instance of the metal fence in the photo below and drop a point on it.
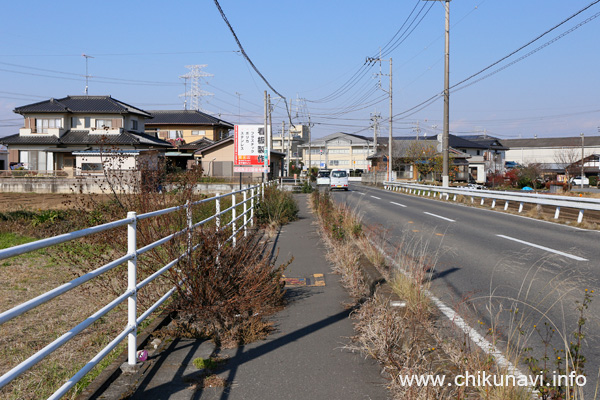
(520, 198)
(250, 199)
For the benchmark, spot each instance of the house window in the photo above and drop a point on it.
(175, 134)
(74, 122)
(43, 124)
(478, 152)
(91, 167)
(134, 124)
(198, 133)
(86, 122)
(103, 123)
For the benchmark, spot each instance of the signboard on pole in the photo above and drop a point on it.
(251, 149)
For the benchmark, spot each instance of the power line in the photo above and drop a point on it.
(248, 58)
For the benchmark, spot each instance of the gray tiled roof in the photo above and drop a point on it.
(573, 141)
(85, 138)
(82, 104)
(184, 117)
(197, 144)
(18, 139)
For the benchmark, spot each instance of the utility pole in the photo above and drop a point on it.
(445, 135)
(418, 130)
(239, 95)
(375, 118)
(270, 134)
(265, 132)
(285, 149)
(379, 59)
(87, 76)
(582, 155)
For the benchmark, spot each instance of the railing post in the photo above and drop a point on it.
(251, 207)
(131, 287)
(520, 207)
(493, 203)
(506, 205)
(233, 215)
(218, 211)
(557, 213)
(245, 215)
(580, 217)
(188, 214)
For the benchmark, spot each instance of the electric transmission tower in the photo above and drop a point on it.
(195, 93)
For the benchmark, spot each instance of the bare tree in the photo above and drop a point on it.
(567, 160)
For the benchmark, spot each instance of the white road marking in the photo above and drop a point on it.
(398, 204)
(439, 216)
(544, 248)
(454, 317)
(361, 193)
(375, 197)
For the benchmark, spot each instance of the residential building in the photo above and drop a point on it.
(415, 159)
(217, 160)
(186, 126)
(74, 134)
(339, 150)
(288, 142)
(3, 158)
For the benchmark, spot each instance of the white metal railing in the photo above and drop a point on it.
(579, 203)
(250, 195)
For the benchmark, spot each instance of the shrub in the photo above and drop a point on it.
(224, 292)
(276, 208)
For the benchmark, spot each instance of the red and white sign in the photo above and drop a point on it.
(251, 148)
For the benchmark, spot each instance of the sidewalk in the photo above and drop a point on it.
(305, 358)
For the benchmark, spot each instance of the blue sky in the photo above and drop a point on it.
(308, 50)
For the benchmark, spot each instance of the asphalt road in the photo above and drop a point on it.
(488, 263)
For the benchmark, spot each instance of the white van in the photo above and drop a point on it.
(338, 179)
(323, 177)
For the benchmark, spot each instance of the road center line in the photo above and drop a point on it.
(544, 248)
(439, 216)
(398, 204)
(375, 197)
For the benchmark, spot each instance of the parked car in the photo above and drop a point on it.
(338, 179)
(323, 177)
(577, 181)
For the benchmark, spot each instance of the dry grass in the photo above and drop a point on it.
(25, 277)
(414, 340)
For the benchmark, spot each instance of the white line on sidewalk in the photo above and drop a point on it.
(398, 204)
(544, 248)
(375, 197)
(439, 216)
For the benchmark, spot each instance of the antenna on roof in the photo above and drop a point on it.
(86, 72)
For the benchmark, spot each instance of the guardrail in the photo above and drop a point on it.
(581, 204)
(251, 197)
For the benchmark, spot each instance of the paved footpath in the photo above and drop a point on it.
(305, 358)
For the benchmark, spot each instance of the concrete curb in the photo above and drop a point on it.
(111, 373)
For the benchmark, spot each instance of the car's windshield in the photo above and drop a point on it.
(323, 174)
(339, 174)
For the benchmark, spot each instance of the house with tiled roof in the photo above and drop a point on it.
(71, 135)
(187, 126)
